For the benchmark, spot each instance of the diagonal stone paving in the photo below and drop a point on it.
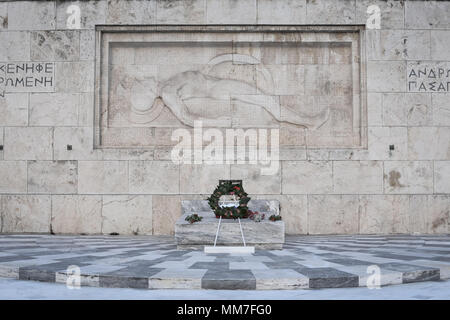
(152, 262)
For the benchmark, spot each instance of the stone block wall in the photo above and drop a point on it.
(400, 183)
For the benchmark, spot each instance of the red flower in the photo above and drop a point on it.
(237, 188)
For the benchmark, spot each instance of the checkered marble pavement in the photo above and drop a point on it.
(153, 262)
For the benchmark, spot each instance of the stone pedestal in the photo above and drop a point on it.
(263, 235)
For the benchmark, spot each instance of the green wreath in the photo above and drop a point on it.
(229, 188)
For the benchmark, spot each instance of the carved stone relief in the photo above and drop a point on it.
(306, 83)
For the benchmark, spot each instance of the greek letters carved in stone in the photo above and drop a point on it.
(27, 76)
(429, 79)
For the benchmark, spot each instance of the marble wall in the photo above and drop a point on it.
(304, 82)
(53, 179)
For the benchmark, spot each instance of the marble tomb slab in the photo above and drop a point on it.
(262, 235)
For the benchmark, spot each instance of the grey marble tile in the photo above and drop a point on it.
(441, 258)
(14, 258)
(413, 273)
(30, 273)
(221, 266)
(230, 280)
(397, 256)
(283, 265)
(350, 262)
(329, 278)
(112, 281)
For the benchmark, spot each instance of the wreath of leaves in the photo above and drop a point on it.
(229, 188)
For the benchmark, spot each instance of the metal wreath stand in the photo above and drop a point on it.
(229, 249)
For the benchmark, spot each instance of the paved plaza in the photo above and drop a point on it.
(33, 290)
(153, 262)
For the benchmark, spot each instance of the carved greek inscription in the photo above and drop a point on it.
(428, 77)
(27, 77)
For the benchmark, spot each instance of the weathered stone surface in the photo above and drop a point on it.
(398, 44)
(345, 154)
(287, 79)
(131, 12)
(380, 140)
(196, 179)
(410, 109)
(91, 13)
(384, 214)
(419, 214)
(53, 177)
(28, 143)
(231, 11)
(80, 139)
(330, 80)
(375, 109)
(13, 176)
(15, 46)
(171, 278)
(303, 177)
(112, 154)
(440, 213)
(412, 177)
(31, 15)
(76, 214)
(14, 109)
(293, 138)
(442, 176)
(128, 215)
(178, 11)
(87, 45)
(429, 213)
(314, 78)
(26, 213)
(330, 12)
(429, 143)
(294, 212)
(75, 76)
(292, 153)
(333, 214)
(265, 234)
(165, 212)
(54, 109)
(440, 44)
(85, 113)
(194, 205)
(280, 73)
(386, 76)
(353, 177)
(154, 177)
(426, 15)
(392, 12)
(1, 143)
(102, 177)
(3, 15)
(254, 182)
(281, 12)
(55, 45)
(441, 109)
